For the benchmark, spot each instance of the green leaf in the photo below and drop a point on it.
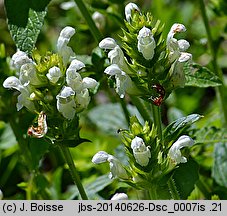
(25, 20)
(109, 117)
(185, 177)
(174, 129)
(199, 76)
(219, 169)
(38, 147)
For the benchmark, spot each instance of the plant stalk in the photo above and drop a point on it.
(173, 189)
(76, 178)
(93, 28)
(157, 120)
(220, 89)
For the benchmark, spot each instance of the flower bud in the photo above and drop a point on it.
(65, 102)
(174, 151)
(54, 74)
(120, 196)
(130, 8)
(107, 43)
(141, 152)
(146, 43)
(183, 45)
(76, 65)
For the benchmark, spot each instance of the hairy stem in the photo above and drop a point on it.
(93, 28)
(76, 178)
(213, 48)
(173, 190)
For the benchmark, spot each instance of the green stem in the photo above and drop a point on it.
(76, 178)
(173, 189)
(93, 28)
(142, 108)
(157, 120)
(125, 110)
(153, 193)
(213, 48)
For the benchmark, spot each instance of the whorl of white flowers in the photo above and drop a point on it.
(74, 95)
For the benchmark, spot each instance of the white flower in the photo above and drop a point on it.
(82, 100)
(129, 9)
(28, 75)
(74, 80)
(99, 20)
(89, 83)
(107, 43)
(23, 99)
(141, 152)
(76, 65)
(174, 151)
(67, 5)
(18, 59)
(122, 79)
(54, 74)
(176, 46)
(146, 43)
(177, 76)
(1, 195)
(65, 102)
(100, 157)
(120, 196)
(116, 168)
(62, 44)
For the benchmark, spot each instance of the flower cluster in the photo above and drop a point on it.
(152, 66)
(149, 161)
(51, 84)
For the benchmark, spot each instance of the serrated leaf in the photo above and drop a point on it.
(185, 178)
(199, 76)
(25, 20)
(175, 128)
(219, 169)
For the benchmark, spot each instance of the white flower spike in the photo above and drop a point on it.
(146, 43)
(120, 196)
(174, 151)
(129, 9)
(65, 102)
(141, 152)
